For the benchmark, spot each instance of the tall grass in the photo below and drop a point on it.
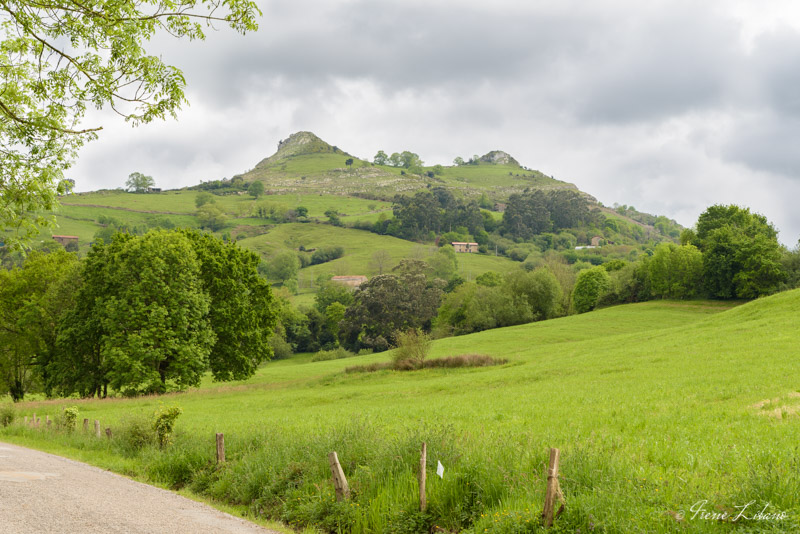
(655, 408)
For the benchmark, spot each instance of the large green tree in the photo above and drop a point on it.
(156, 311)
(139, 183)
(389, 303)
(741, 253)
(57, 58)
(148, 327)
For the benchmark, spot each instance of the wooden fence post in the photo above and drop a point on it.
(220, 448)
(423, 462)
(26, 420)
(97, 428)
(47, 421)
(553, 491)
(35, 421)
(108, 433)
(339, 481)
(85, 425)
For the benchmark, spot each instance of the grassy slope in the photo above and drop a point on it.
(654, 406)
(79, 214)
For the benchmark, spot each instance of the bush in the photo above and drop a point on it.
(136, 432)
(326, 254)
(7, 414)
(450, 362)
(335, 354)
(164, 422)
(413, 347)
(69, 418)
(281, 349)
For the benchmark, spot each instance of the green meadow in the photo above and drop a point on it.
(671, 417)
(79, 215)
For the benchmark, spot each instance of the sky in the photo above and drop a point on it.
(669, 107)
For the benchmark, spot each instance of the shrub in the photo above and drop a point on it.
(413, 347)
(326, 254)
(7, 414)
(335, 354)
(135, 433)
(164, 422)
(70, 418)
(281, 349)
(462, 360)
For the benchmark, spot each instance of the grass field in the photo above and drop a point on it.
(359, 247)
(656, 406)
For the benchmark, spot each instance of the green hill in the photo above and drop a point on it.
(304, 162)
(306, 172)
(655, 406)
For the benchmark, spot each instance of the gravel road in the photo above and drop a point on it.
(43, 493)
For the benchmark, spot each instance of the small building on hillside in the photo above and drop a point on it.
(464, 247)
(349, 281)
(596, 241)
(66, 240)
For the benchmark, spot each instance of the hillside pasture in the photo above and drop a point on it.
(656, 407)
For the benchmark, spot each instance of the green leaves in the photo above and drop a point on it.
(57, 59)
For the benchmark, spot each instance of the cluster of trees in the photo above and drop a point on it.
(142, 314)
(493, 301)
(405, 160)
(536, 212)
(369, 317)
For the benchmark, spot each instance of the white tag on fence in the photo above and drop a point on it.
(440, 469)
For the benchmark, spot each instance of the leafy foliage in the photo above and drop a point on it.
(32, 298)
(413, 346)
(164, 423)
(741, 254)
(60, 58)
(70, 418)
(139, 183)
(241, 313)
(390, 303)
(7, 414)
(589, 289)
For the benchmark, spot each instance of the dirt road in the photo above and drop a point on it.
(43, 493)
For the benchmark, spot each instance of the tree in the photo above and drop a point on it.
(741, 253)
(676, 272)
(349, 162)
(57, 59)
(211, 217)
(380, 158)
(333, 217)
(256, 189)
(141, 318)
(139, 183)
(32, 300)
(204, 198)
(283, 266)
(380, 261)
(589, 288)
(459, 161)
(389, 303)
(443, 262)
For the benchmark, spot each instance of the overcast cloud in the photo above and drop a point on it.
(666, 106)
